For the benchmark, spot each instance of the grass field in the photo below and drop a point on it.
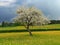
(53, 26)
(38, 38)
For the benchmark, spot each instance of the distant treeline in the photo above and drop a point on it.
(55, 22)
(5, 24)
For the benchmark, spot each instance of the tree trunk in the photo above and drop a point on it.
(29, 30)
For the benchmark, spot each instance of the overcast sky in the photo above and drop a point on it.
(50, 8)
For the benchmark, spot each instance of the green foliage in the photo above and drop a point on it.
(10, 24)
(55, 22)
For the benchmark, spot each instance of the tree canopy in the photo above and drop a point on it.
(30, 16)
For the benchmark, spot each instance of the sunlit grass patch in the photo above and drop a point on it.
(38, 38)
(53, 26)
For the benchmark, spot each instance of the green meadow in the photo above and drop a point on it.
(51, 26)
(39, 37)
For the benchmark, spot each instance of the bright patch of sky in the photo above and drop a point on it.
(6, 2)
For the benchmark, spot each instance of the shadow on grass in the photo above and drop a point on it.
(10, 31)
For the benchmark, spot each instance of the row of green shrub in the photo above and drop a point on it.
(10, 31)
(8, 24)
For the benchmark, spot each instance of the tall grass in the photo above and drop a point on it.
(38, 38)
